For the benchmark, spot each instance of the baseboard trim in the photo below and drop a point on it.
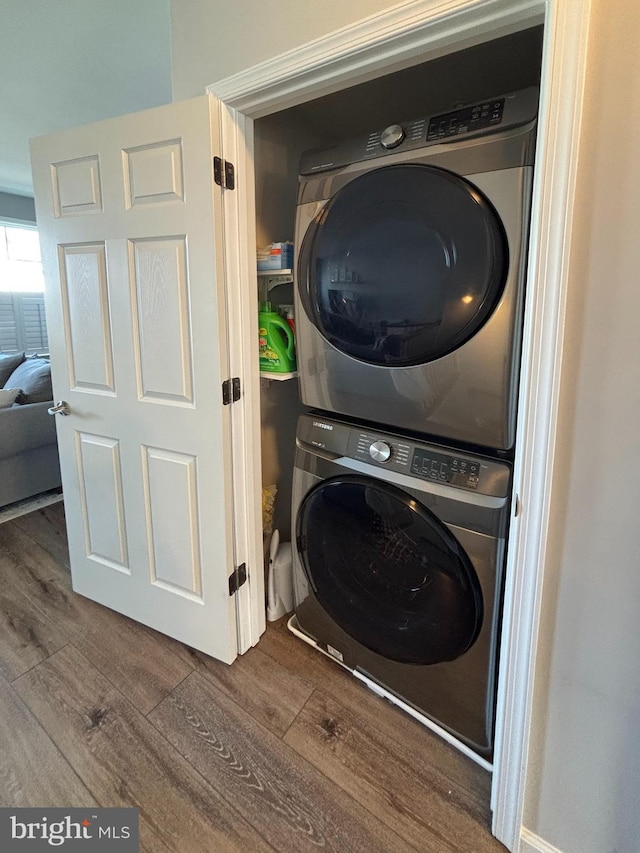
(532, 843)
(15, 510)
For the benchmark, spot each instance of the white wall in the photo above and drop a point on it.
(213, 39)
(584, 791)
(584, 779)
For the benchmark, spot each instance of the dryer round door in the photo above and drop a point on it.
(387, 571)
(403, 265)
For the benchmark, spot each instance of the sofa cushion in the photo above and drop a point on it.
(8, 364)
(24, 428)
(8, 396)
(33, 376)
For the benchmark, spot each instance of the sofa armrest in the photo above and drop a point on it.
(25, 428)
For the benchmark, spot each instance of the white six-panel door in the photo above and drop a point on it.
(130, 223)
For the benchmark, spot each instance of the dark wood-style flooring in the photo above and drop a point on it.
(281, 751)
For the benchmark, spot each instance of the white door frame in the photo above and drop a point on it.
(399, 37)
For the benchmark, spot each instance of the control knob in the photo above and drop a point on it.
(392, 136)
(380, 451)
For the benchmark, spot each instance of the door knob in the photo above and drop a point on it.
(60, 408)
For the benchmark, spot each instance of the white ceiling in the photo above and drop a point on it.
(69, 62)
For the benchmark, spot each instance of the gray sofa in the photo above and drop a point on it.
(28, 445)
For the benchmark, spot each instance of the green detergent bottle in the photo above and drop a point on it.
(276, 342)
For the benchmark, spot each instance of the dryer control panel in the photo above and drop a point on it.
(501, 113)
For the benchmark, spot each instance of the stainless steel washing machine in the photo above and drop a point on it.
(398, 565)
(410, 271)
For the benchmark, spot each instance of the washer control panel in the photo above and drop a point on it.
(335, 440)
(424, 461)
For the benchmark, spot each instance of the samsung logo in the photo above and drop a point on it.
(320, 425)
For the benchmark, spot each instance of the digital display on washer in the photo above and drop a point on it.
(466, 120)
(445, 469)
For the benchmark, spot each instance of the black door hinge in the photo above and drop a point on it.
(238, 578)
(224, 173)
(231, 391)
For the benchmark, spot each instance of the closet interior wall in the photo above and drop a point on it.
(483, 71)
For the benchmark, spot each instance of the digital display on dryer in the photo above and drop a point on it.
(466, 120)
(445, 469)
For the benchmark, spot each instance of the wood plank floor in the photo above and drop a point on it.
(281, 751)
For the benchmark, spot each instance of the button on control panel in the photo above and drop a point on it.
(445, 468)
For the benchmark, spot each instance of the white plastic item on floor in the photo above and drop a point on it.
(280, 582)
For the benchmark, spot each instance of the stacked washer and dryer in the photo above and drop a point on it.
(410, 273)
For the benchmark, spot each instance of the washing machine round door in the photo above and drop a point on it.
(403, 265)
(387, 571)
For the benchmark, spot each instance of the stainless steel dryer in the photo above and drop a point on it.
(398, 565)
(410, 272)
